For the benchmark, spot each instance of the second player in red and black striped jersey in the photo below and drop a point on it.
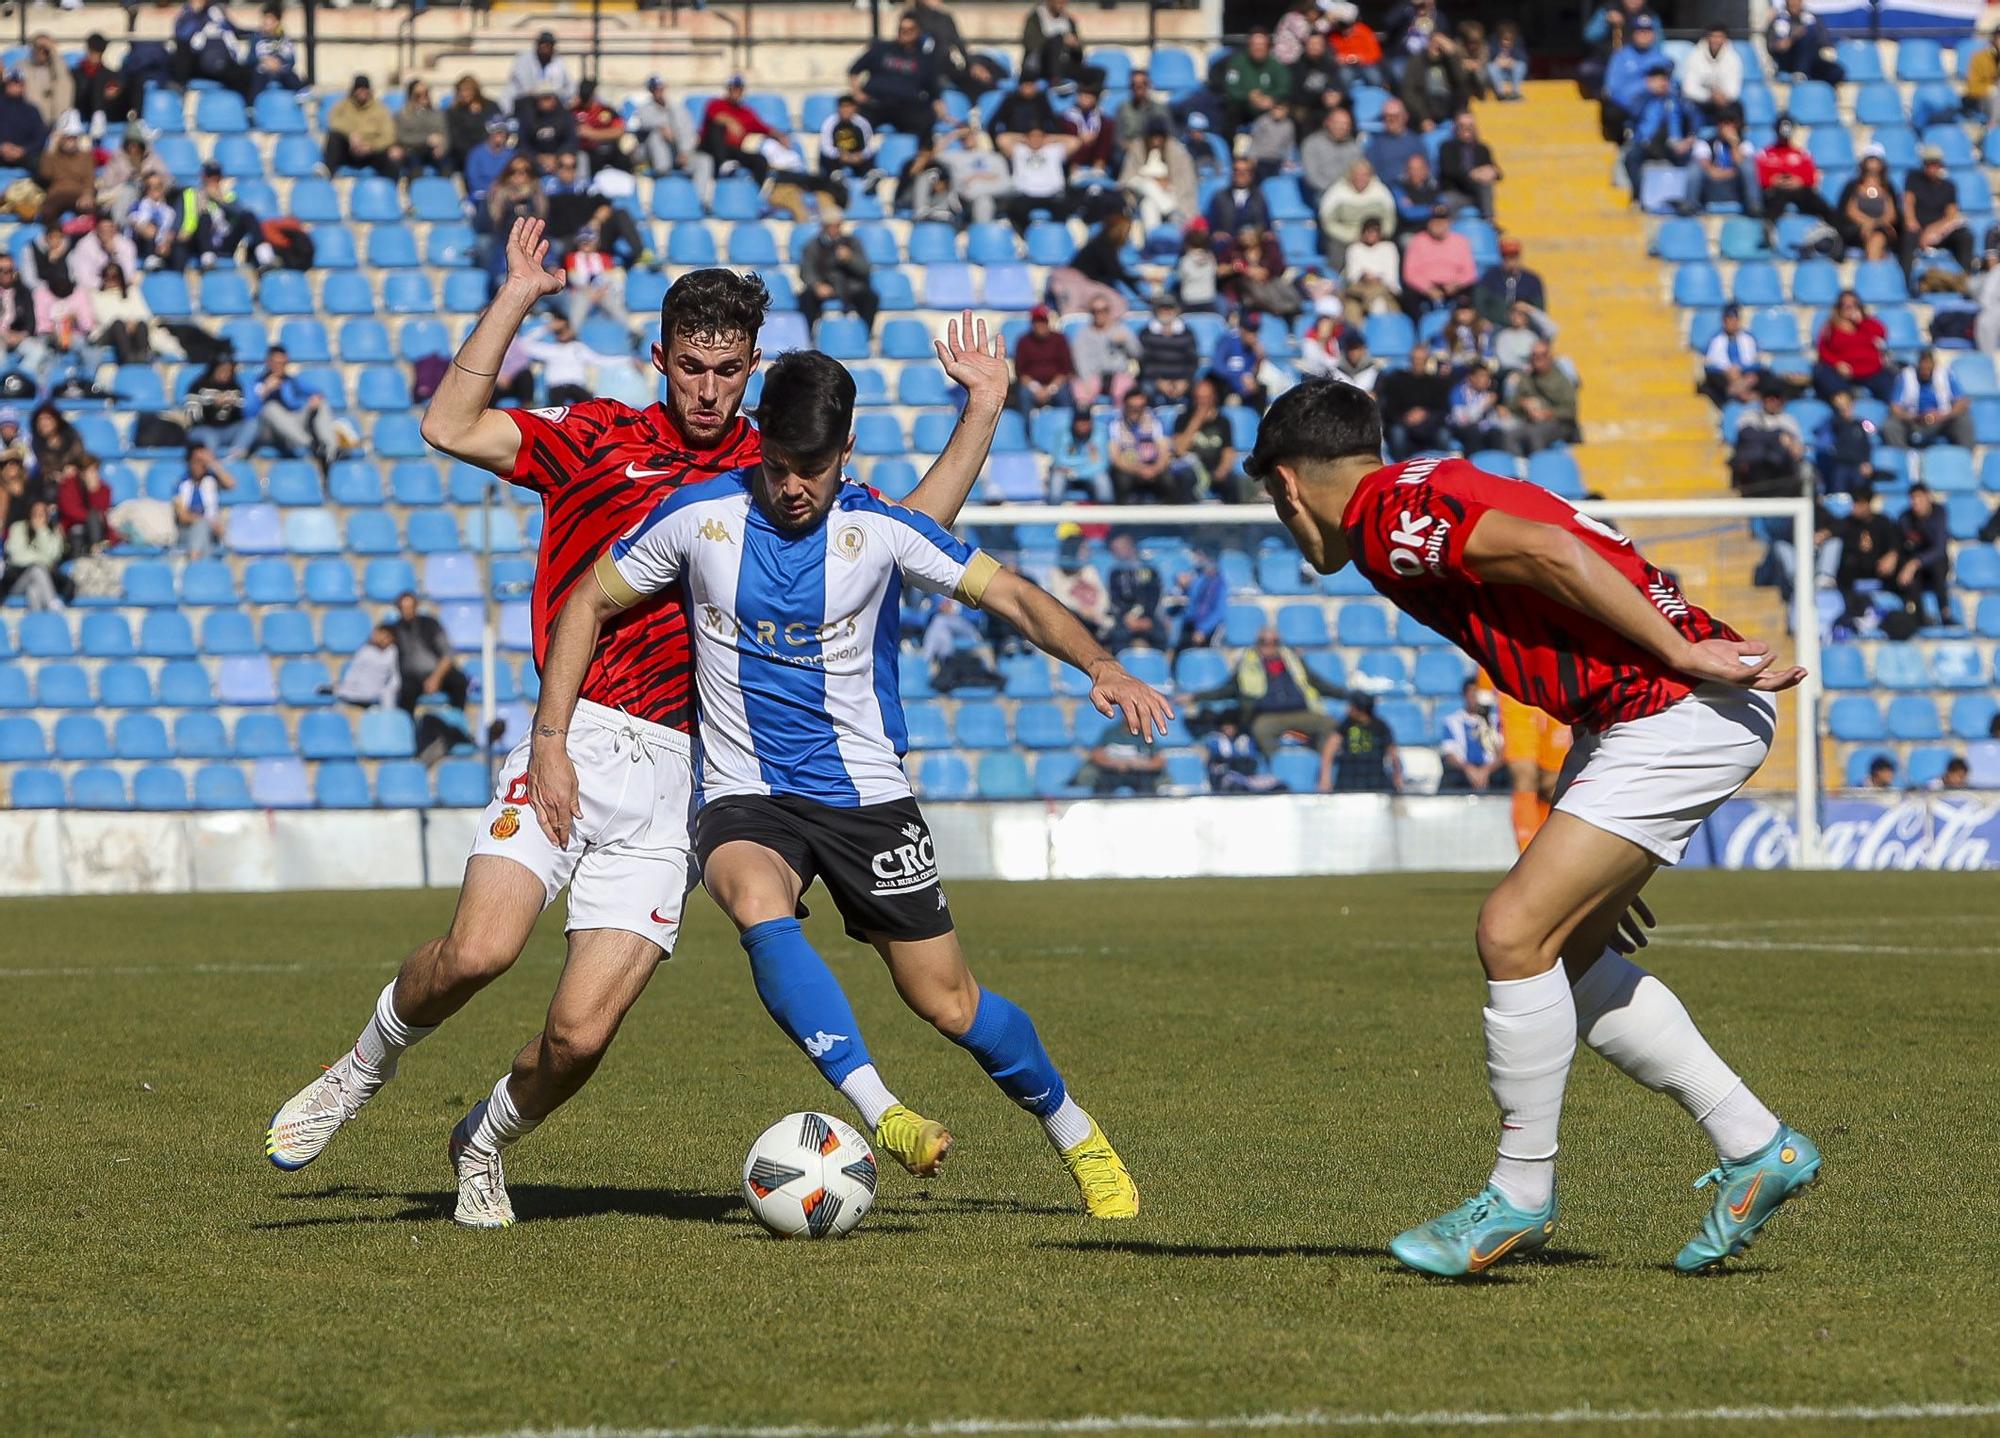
(1406, 528)
(600, 467)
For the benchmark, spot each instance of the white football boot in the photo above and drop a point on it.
(302, 1128)
(482, 1185)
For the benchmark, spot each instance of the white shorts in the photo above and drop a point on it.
(1653, 780)
(626, 862)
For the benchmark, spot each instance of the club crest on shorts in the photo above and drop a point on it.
(507, 825)
(847, 541)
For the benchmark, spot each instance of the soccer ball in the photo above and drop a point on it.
(809, 1176)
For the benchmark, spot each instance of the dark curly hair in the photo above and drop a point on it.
(714, 304)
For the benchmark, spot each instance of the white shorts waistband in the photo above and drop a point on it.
(617, 721)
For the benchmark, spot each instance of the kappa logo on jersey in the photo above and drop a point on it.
(554, 414)
(848, 541)
(715, 531)
(507, 825)
(821, 1043)
(1419, 544)
(907, 867)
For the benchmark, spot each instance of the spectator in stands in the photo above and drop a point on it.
(1240, 202)
(1134, 588)
(847, 142)
(424, 657)
(1470, 747)
(1097, 270)
(61, 310)
(34, 549)
(1039, 162)
(942, 40)
(666, 135)
(154, 222)
(536, 69)
(1043, 364)
(1416, 404)
(1078, 461)
(1799, 45)
(1477, 419)
(1770, 452)
(484, 166)
(1871, 550)
(596, 279)
(1195, 270)
(218, 411)
(957, 653)
(1353, 200)
(1051, 46)
(1251, 80)
(15, 495)
(1853, 351)
(372, 678)
(1077, 584)
(1928, 404)
(898, 81)
(1250, 269)
(1932, 219)
(1625, 77)
(1204, 444)
(1789, 179)
(1982, 82)
(1664, 132)
(1732, 367)
(1924, 555)
(1417, 193)
(548, 131)
(1319, 85)
(600, 132)
(1372, 274)
(1543, 398)
(1276, 696)
(565, 361)
(1508, 282)
(1467, 338)
(1143, 110)
(1096, 135)
(213, 226)
(1868, 217)
(1435, 83)
(1104, 352)
(274, 59)
(1272, 142)
(1882, 773)
(1355, 44)
(1507, 66)
(1957, 774)
(1364, 751)
(1168, 355)
(1234, 764)
(1202, 596)
(361, 133)
(1319, 347)
(103, 246)
(1142, 458)
(1844, 448)
(198, 502)
(1158, 174)
(124, 319)
(290, 418)
(1328, 154)
(1025, 107)
(1514, 342)
(103, 98)
(1238, 358)
(83, 510)
(68, 173)
(1390, 148)
(421, 134)
(963, 179)
(18, 338)
(1123, 763)
(1728, 166)
(46, 81)
(515, 195)
(23, 131)
(1466, 168)
(207, 45)
(834, 267)
(1357, 366)
(469, 123)
(1711, 74)
(1438, 267)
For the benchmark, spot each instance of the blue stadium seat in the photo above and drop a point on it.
(21, 742)
(1296, 769)
(451, 576)
(221, 786)
(447, 247)
(690, 244)
(1363, 625)
(342, 631)
(46, 635)
(225, 292)
(1901, 666)
(1007, 287)
(81, 736)
(1004, 776)
(245, 679)
(287, 631)
(303, 683)
(408, 293)
(432, 531)
(462, 784)
(375, 200)
(310, 531)
(736, 197)
(97, 788)
(993, 243)
(1681, 240)
(164, 111)
(415, 484)
(341, 785)
(843, 337)
(304, 341)
(752, 244)
(944, 777)
(159, 787)
(1914, 717)
(141, 737)
(675, 198)
(383, 387)
(384, 579)
(1303, 626)
(1756, 283)
(1844, 666)
(183, 684)
(262, 736)
(294, 483)
(325, 734)
(347, 294)
(124, 685)
(149, 582)
(364, 341)
(1958, 666)
(329, 581)
(14, 688)
(466, 292)
(280, 783)
(280, 292)
(387, 734)
(925, 725)
(166, 291)
(402, 784)
(1855, 718)
(981, 726)
(227, 631)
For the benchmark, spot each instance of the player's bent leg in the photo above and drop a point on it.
(932, 976)
(498, 904)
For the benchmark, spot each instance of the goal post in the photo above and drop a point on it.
(1710, 545)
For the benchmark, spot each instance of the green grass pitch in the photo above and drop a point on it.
(1292, 1068)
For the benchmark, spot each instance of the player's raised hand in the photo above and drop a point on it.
(1745, 663)
(552, 790)
(527, 259)
(972, 360)
(1116, 693)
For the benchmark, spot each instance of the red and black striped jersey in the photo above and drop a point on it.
(1406, 528)
(600, 467)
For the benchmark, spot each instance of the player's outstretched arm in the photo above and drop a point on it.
(978, 364)
(551, 775)
(1048, 626)
(1504, 549)
(460, 420)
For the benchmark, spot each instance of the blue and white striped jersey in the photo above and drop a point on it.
(795, 635)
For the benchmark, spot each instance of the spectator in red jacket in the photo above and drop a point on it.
(1789, 178)
(83, 509)
(731, 131)
(1043, 366)
(1853, 352)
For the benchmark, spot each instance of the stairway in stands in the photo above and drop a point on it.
(1647, 434)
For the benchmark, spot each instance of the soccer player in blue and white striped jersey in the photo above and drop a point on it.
(794, 587)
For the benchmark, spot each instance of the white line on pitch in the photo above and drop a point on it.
(1307, 1418)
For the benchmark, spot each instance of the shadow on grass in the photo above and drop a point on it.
(1145, 1248)
(532, 1201)
(929, 1202)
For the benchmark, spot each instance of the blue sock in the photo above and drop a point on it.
(1003, 1039)
(801, 993)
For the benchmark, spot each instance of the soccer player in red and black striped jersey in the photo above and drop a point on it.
(598, 467)
(1671, 718)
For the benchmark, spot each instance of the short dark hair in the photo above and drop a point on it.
(1323, 420)
(714, 304)
(807, 409)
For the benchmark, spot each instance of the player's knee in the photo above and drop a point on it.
(573, 1045)
(951, 1010)
(1512, 944)
(474, 957)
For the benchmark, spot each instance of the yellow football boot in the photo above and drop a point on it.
(1108, 1190)
(919, 1144)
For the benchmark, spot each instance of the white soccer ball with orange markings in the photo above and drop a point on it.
(809, 1175)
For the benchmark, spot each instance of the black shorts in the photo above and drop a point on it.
(876, 860)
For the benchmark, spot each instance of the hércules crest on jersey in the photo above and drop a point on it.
(554, 414)
(507, 825)
(847, 541)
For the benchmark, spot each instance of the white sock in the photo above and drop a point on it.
(385, 1036)
(1644, 1032)
(1068, 1126)
(501, 1124)
(866, 1091)
(1530, 1039)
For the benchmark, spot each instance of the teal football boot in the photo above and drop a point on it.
(1747, 1192)
(1474, 1236)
